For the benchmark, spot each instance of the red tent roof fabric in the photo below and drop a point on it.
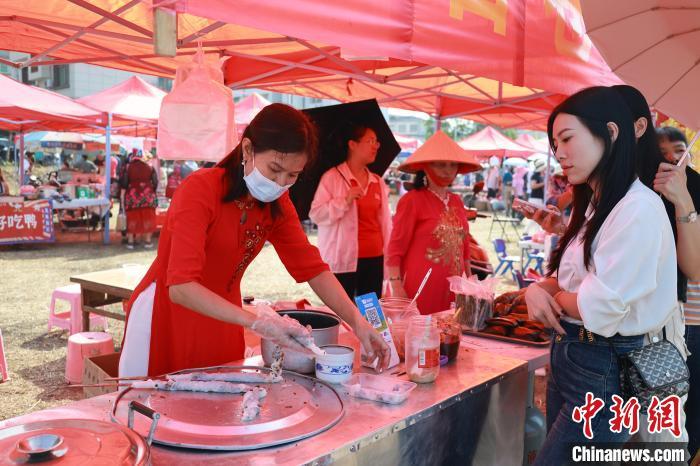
(133, 99)
(540, 44)
(538, 146)
(248, 107)
(504, 63)
(407, 143)
(489, 142)
(29, 108)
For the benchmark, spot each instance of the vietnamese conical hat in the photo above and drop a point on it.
(440, 148)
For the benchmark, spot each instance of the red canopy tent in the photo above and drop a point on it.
(528, 43)
(127, 105)
(407, 143)
(503, 63)
(26, 108)
(538, 146)
(489, 142)
(247, 108)
(133, 104)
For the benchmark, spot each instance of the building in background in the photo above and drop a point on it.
(407, 122)
(74, 80)
(8, 70)
(296, 101)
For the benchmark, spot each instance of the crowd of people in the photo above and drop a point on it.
(625, 273)
(504, 184)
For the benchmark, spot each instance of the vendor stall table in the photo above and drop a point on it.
(102, 203)
(99, 289)
(86, 207)
(473, 414)
(536, 356)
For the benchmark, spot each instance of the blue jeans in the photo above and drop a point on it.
(578, 367)
(692, 406)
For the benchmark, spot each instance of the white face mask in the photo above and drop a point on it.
(262, 188)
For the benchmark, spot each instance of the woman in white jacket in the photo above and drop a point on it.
(351, 209)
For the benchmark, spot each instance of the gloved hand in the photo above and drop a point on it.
(282, 330)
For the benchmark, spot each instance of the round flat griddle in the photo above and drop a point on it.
(296, 408)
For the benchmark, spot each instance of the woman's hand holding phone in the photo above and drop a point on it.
(550, 218)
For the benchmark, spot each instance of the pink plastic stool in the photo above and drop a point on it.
(85, 345)
(71, 320)
(3, 361)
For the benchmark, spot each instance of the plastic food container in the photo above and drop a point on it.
(379, 388)
(472, 311)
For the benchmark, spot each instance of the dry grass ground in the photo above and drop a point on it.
(36, 358)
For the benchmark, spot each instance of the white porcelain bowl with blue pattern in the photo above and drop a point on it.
(336, 365)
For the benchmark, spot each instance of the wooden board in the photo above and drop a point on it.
(119, 282)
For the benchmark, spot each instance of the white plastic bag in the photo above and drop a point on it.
(473, 300)
(196, 118)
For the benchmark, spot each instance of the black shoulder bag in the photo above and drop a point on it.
(657, 369)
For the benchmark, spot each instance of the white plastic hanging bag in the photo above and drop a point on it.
(196, 118)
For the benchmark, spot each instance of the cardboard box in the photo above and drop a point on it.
(96, 370)
(371, 310)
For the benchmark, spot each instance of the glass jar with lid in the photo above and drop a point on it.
(399, 312)
(422, 349)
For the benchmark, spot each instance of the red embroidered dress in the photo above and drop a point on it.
(210, 242)
(427, 234)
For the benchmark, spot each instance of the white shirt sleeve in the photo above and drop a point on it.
(624, 267)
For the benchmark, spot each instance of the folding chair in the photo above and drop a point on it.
(538, 257)
(498, 208)
(504, 259)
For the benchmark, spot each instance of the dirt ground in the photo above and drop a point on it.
(36, 358)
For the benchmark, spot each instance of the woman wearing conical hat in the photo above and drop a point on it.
(430, 226)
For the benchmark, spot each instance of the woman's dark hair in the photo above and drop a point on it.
(277, 127)
(671, 133)
(648, 153)
(347, 132)
(595, 107)
(420, 180)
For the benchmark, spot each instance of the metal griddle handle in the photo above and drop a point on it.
(146, 411)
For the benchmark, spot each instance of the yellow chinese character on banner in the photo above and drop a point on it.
(494, 10)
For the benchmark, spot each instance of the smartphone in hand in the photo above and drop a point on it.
(528, 208)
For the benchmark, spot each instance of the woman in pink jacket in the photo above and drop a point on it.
(351, 209)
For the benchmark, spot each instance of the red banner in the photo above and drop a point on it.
(26, 222)
(532, 43)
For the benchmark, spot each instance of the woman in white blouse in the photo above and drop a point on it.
(613, 276)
